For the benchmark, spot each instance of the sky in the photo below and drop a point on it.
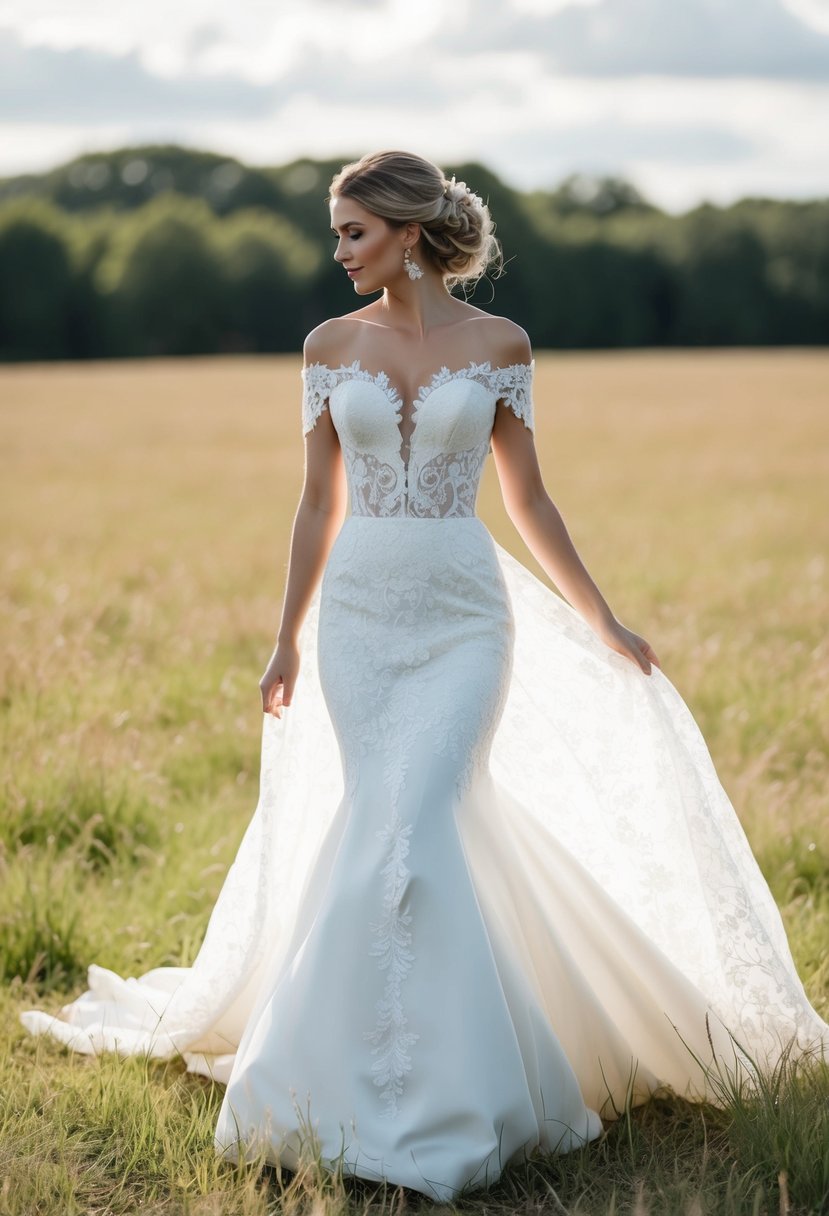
(690, 100)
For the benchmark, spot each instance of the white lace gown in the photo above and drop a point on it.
(493, 887)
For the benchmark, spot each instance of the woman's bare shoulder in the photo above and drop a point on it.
(328, 341)
(508, 341)
(503, 340)
(498, 339)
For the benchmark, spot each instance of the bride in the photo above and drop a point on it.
(493, 890)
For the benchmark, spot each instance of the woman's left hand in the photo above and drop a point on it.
(626, 642)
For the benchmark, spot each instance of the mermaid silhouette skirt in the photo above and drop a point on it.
(401, 1027)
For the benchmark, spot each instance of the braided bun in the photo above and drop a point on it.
(457, 232)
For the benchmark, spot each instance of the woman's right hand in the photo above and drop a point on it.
(277, 683)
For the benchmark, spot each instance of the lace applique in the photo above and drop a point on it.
(447, 485)
(514, 385)
(318, 380)
(317, 383)
(390, 1037)
(398, 607)
(376, 485)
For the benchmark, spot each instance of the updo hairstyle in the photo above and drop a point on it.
(455, 224)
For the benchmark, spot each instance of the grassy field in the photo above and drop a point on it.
(147, 509)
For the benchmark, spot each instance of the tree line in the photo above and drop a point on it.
(166, 251)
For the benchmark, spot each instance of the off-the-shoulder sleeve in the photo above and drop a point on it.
(317, 383)
(513, 384)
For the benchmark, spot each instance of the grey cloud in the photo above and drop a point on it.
(613, 144)
(84, 86)
(713, 38)
(203, 37)
(333, 78)
(41, 84)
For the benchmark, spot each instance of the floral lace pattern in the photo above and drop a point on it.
(395, 632)
(447, 484)
(432, 469)
(391, 1038)
(375, 483)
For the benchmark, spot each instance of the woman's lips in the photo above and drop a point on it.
(353, 272)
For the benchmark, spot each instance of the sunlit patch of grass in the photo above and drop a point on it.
(778, 1127)
(43, 935)
(98, 813)
(194, 770)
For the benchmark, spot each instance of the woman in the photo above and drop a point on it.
(493, 889)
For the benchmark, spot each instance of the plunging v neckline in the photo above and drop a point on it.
(443, 376)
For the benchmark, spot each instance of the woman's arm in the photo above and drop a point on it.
(316, 523)
(542, 529)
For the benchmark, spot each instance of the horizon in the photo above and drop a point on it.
(139, 151)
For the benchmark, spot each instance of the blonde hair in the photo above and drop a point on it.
(457, 232)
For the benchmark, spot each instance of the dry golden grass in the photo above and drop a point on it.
(147, 509)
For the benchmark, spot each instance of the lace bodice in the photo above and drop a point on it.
(434, 472)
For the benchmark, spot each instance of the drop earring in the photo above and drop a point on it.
(412, 269)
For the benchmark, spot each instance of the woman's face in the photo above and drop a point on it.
(369, 248)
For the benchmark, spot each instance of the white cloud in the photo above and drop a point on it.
(697, 38)
(814, 13)
(91, 86)
(677, 140)
(257, 41)
(543, 8)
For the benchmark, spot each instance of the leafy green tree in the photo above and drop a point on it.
(36, 276)
(164, 278)
(128, 178)
(795, 240)
(269, 267)
(585, 194)
(723, 294)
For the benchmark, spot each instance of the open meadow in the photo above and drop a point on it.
(146, 510)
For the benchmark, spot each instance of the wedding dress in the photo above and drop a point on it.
(493, 889)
